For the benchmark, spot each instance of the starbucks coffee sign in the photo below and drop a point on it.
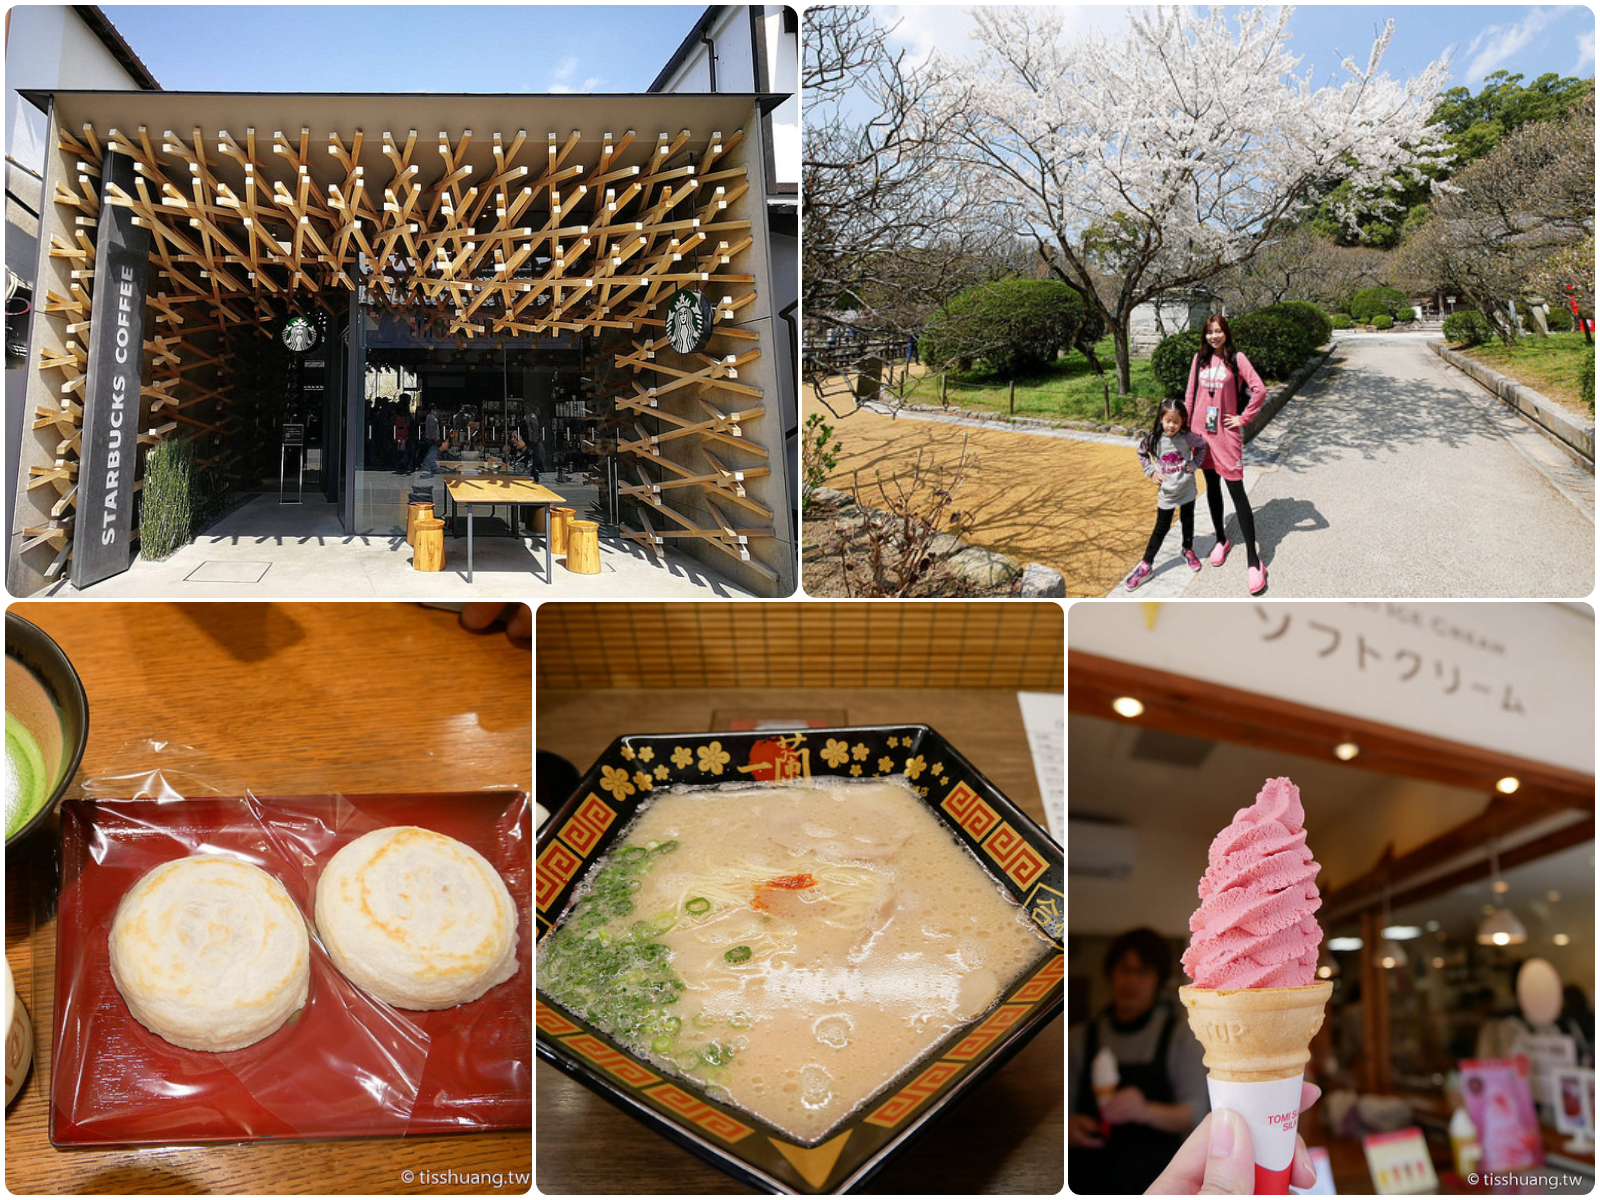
(688, 321)
(299, 335)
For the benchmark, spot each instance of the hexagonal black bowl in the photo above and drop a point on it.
(1006, 842)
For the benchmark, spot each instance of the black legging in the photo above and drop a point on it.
(1241, 507)
(1164, 523)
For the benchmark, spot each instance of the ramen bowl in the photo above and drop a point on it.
(1009, 848)
(60, 693)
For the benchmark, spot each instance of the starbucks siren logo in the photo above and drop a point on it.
(688, 321)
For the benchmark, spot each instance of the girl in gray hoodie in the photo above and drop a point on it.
(1170, 454)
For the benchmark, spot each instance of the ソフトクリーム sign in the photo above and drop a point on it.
(108, 463)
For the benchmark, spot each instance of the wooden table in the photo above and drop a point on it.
(1009, 1137)
(287, 699)
(515, 490)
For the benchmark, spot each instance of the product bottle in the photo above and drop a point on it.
(1464, 1146)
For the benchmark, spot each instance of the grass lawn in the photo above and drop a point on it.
(1068, 389)
(1551, 365)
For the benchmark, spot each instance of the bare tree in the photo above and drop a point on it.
(1299, 265)
(889, 227)
(1499, 225)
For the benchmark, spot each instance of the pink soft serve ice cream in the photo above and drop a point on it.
(1254, 927)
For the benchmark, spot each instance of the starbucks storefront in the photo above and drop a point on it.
(327, 288)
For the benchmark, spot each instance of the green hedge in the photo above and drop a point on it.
(1369, 302)
(1340, 321)
(1466, 328)
(1586, 381)
(1016, 326)
(1274, 341)
(1317, 324)
(166, 518)
(1169, 362)
(1383, 321)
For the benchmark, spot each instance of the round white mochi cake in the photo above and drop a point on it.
(210, 953)
(417, 919)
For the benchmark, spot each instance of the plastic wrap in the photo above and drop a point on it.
(346, 1064)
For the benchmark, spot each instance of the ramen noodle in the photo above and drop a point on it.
(791, 948)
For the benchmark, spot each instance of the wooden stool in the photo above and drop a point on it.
(429, 545)
(583, 547)
(558, 528)
(414, 513)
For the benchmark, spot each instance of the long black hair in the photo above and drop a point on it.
(1230, 354)
(1149, 442)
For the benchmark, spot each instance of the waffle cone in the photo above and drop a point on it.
(1255, 1034)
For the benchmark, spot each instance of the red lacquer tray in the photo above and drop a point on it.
(347, 1064)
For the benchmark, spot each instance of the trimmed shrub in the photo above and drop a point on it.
(1586, 380)
(166, 517)
(1383, 321)
(1016, 326)
(1274, 342)
(1170, 361)
(1559, 318)
(1340, 321)
(1369, 302)
(1313, 319)
(1466, 328)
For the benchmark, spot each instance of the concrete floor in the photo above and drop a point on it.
(268, 550)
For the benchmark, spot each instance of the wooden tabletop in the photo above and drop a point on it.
(285, 699)
(1008, 1137)
(500, 489)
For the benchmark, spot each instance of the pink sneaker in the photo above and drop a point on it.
(1189, 557)
(1258, 579)
(1219, 553)
(1140, 574)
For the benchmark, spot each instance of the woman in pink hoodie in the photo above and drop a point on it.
(1217, 377)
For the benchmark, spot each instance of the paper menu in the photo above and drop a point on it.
(1399, 1162)
(1044, 717)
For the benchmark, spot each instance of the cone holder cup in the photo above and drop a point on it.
(1257, 1043)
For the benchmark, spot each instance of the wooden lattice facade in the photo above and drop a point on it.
(471, 217)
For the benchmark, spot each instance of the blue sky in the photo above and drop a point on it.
(404, 48)
(1480, 38)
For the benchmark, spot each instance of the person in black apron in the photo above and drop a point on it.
(1151, 1112)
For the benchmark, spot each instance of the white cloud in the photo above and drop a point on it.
(924, 28)
(561, 76)
(1495, 45)
(1585, 64)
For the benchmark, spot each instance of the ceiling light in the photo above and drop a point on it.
(1127, 706)
(1501, 928)
(1402, 933)
(1561, 939)
(1508, 785)
(1391, 955)
(1438, 962)
(1500, 887)
(1345, 751)
(1327, 965)
(1344, 943)
(1553, 896)
(1432, 927)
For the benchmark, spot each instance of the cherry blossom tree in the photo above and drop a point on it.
(1155, 160)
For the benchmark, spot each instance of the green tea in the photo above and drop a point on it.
(33, 745)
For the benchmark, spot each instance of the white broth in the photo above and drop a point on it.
(792, 947)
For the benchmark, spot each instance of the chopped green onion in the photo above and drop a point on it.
(664, 921)
(738, 954)
(699, 906)
(739, 1020)
(663, 1043)
(632, 854)
(702, 1020)
(664, 848)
